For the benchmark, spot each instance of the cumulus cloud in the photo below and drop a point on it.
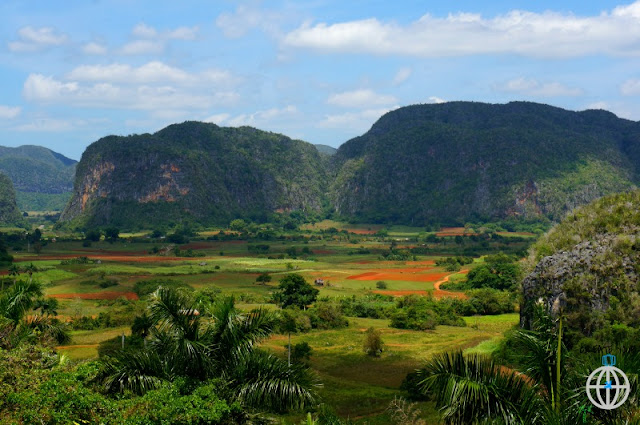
(259, 118)
(9, 112)
(148, 40)
(33, 39)
(360, 98)
(355, 121)
(546, 34)
(436, 99)
(533, 87)
(94, 49)
(154, 86)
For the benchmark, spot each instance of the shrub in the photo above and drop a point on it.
(301, 353)
(373, 344)
(381, 285)
(326, 315)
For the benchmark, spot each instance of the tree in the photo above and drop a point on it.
(263, 279)
(183, 345)
(111, 234)
(373, 344)
(93, 235)
(294, 290)
(239, 225)
(142, 325)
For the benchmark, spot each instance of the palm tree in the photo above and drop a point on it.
(475, 389)
(15, 326)
(183, 343)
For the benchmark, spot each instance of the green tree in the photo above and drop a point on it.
(93, 235)
(111, 234)
(294, 290)
(263, 279)
(239, 225)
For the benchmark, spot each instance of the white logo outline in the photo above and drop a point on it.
(611, 374)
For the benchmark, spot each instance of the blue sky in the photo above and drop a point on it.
(323, 71)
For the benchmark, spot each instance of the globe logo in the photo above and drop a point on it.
(608, 387)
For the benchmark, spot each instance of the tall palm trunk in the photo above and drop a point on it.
(289, 359)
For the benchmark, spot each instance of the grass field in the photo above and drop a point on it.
(356, 385)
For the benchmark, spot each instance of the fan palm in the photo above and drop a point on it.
(183, 343)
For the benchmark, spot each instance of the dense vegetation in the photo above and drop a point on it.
(9, 213)
(459, 161)
(43, 179)
(195, 172)
(586, 269)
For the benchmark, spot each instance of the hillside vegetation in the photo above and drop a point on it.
(195, 171)
(587, 268)
(461, 161)
(43, 179)
(9, 213)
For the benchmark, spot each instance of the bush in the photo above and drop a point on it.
(373, 344)
(326, 315)
(485, 301)
(424, 313)
(301, 353)
(381, 285)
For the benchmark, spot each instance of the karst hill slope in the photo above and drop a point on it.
(43, 179)
(461, 161)
(447, 163)
(195, 171)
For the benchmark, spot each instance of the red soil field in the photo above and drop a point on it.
(431, 277)
(362, 231)
(323, 251)
(110, 295)
(196, 246)
(121, 257)
(452, 231)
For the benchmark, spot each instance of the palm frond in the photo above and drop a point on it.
(475, 389)
(267, 382)
(138, 372)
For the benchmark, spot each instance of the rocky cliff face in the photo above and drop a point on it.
(195, 171)
(463, 161)
(588, 266)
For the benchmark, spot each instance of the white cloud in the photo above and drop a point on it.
(94, 49)
(153, 87)
(360, 98)
(32, 39)
(533, 87)
(9, 112)
(630, 87)
(245, 18)
(401, 76)
(599, 105)
(151, 72)
(436, 99)
(148, 40)
(144, 31)
(547, 34)
(261, 118)
(142, 47)
(354, 121)
(217, 118)
(49, 125)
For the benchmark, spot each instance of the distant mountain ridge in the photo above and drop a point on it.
(445, 163)
(43, 179)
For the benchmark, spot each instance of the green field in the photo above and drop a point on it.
(357, 386)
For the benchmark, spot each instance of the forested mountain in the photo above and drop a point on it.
(195, 171)
(9, 213)
(448, 163)
(43, 179)
(460, 161)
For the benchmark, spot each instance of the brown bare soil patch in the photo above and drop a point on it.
(323, 251)
(121, 258)
(409, 277)
(197, 245)
(453, 231)
(109, 295)
(362, 231)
